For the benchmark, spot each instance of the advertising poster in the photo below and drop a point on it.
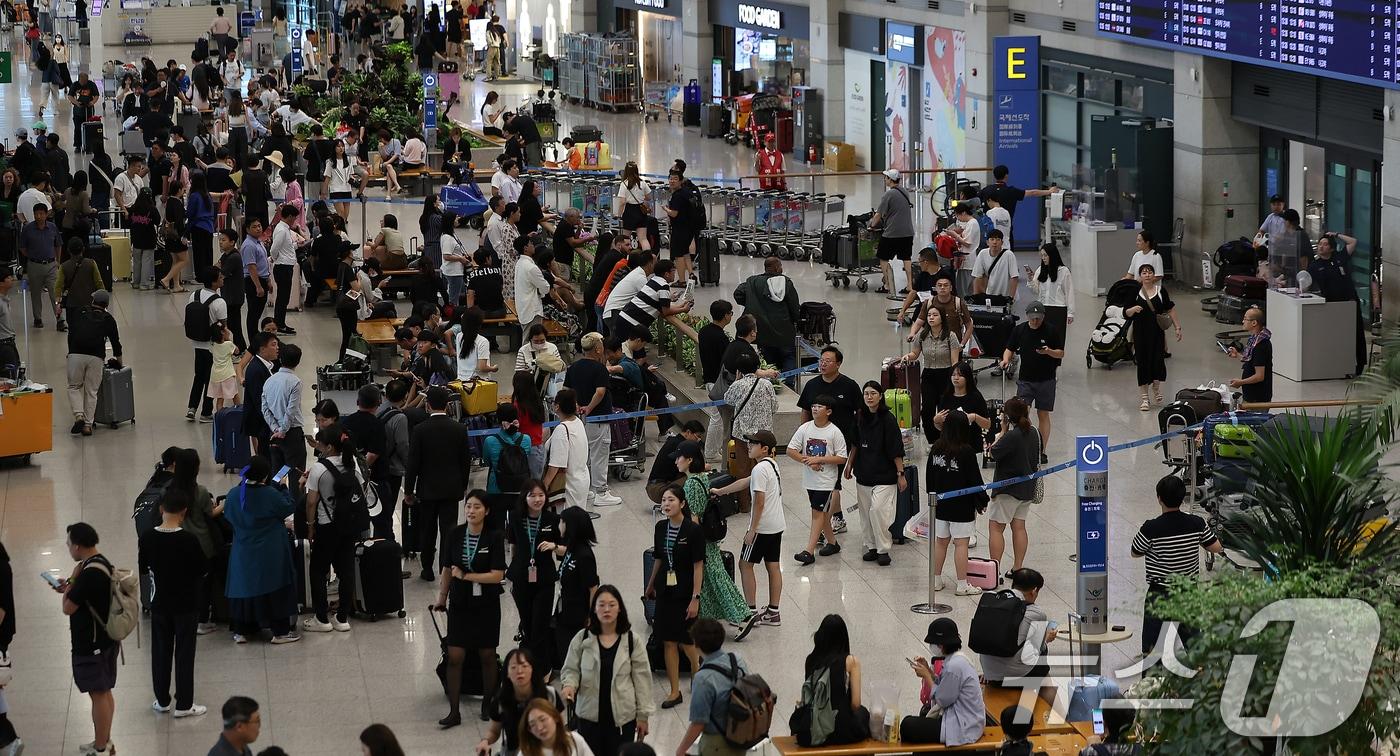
(897, 116)
(945, 101)
(858, 105)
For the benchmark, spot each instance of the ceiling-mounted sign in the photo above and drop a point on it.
(904, 43)
(760, 16)
(663, 7)
(650, 3)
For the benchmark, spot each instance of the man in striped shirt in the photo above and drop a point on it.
(651, 301)
(1171, 542)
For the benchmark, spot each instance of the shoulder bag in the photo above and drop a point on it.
(555, 495)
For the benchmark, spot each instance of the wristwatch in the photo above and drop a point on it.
(696, 597)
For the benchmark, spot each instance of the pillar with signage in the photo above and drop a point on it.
(1016, 127)
(1091, 587)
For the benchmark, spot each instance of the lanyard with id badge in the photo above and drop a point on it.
(469, 547)
(672, 532)
(532, 529)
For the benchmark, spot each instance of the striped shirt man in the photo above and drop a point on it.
(648, 303)
(1172, 543)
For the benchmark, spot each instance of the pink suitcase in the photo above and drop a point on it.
(983, 573)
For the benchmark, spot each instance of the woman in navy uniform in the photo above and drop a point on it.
(470, 592)
(1331, 274)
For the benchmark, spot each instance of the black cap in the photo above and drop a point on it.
(690, 450)
(1275, 198)
(942, 631)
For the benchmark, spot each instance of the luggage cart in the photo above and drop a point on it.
(855, 255)
(628, 451)
(660, 97)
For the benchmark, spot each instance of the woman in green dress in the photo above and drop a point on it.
(719, 597)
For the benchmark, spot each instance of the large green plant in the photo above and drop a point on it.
(392, 95)
(1311, 494)
(1221, 609)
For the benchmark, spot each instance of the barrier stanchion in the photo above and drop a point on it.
(931, 606)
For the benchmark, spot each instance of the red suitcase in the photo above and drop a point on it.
(897, 374)
(1248, 287)
(782, 126)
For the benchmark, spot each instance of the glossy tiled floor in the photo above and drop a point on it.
(318, 694)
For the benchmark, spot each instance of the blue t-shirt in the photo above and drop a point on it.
(254, 253)
(39, 244)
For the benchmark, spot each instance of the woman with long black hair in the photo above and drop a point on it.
(952, 466)
(937, 349)
(962, 396)
(430, 226)
(473, 350)
(634, 194)
(454, 258)
(1053, 287)
(339, 476)
(533, 530)
(201, 520)
(607, 678)
(578, 578)
(525, 395)
(199, 212)
(831, 651)
(877, 464)
(469, 591)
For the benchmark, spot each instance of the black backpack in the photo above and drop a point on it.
(697, 210)
(712, 522)
(512, 467)
(351, 513)
(146, 511)
(197, 318)
(996, 626)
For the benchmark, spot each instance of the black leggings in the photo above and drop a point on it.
(282, 274)
(933, 383)
(202, 244)
(348, 322)
(535, 602)
(235, 321)
(332, 548)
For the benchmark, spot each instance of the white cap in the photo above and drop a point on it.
(892, 175)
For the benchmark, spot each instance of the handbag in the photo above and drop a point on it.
(1164, 321)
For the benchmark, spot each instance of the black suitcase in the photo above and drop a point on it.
(993, 331)
(378, 579)
(1230, 309)
(831, 239)
(906, 503)
(101, 253)
(690, 114)
(714, 120)
(586, 133)
(707, 249)
(92, 137)
(656, 656)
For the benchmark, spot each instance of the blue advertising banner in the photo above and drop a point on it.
(1092, 455)
(904, 43)
(430, 100)
(1016, 131)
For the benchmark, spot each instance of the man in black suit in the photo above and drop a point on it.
(260, 368)
(439, 463)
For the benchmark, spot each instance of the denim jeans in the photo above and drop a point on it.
(784, 357)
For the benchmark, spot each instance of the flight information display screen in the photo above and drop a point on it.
(1347, 39)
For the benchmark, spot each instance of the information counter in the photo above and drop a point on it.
(26, 422)
(1099, 254)
(1314, 340)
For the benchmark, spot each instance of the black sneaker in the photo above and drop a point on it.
(883, 560)
(1044, 459)
(62, 326)
(189, 415)
(426, 576)
(287, 331)
(804, 557)
(77, 427)
(830, 549)
(38, 322)
(869, 556)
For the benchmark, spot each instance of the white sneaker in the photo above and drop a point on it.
(966, 589)
(313, 625)
(239, 639)
(341, 626)
(972, 541)
(156, 707)
(607, 499)
(278, 640)
(195, 710)
(15, 748)
(205, 628)
(940, 583)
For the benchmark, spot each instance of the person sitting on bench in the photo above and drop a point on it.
(954, 713)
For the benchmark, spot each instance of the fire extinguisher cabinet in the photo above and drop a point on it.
(806, 123)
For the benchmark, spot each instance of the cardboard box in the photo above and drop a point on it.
(839, 156)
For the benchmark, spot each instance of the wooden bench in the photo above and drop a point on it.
(1059, 744)
(996, 699)
(509, 327)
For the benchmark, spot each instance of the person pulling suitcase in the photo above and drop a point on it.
(90, 328)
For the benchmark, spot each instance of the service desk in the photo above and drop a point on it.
(26, 422)
(1099, 254)
(1314, 340)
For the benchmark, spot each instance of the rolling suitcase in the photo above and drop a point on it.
(900, 403)
(906, 503)
(378, 581)
(656, 656)
(713, 122)
(1230, 309)
(301, 562)
(831, 238)
(739, 465)
(992, 323)
(116, 399)
(1247, 287)
(707, 248)
(231, 446)
(101, 253)
(120, 242)
(898, 374)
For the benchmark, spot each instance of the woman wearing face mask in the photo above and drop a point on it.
(470, 592)
(542, 733)
(534, 531)
(953, 713)
(523, 683)
(677, 573)
(578, 577)
(613, 699)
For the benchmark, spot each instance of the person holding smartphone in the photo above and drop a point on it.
(1256, 381)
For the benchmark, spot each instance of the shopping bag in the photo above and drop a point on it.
(918, 526)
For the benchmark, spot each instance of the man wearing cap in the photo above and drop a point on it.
(1273, 225)
(1040, 348)
(956, 690)
(25, 159)
(763, 539)
(39, 242)
(92, 328)
(895, 217)
(769, 162)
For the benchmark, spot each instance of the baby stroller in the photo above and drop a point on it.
(628, 450)
(1109, 343)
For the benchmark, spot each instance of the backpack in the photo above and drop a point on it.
(814, 720)
(996, 625)
(201, 48)
(124, 614)
(749, 708)
(146, 511)
(512, 467)
(197, 318)
(697, 210)
(987, 226)
(352, 506)
(712, 522)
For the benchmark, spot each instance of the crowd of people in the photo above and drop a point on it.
(512, 512)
